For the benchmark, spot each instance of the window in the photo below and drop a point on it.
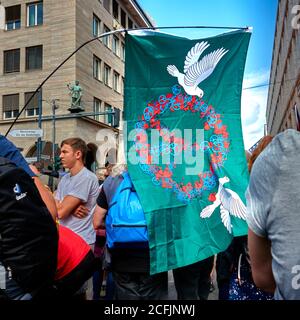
(106, 38)
(106, 74)
(97, 68)
(12, 61)
(10, 106)
(34, 58)
(108, 117)
(116, 81)
(122, 51)
(123, 18)
(106, 5)
(13, 17)
(96, 26)
(34, 14)
(115, 45)
(32, 108)
(130, 23)
(115, 9)
(97, 108)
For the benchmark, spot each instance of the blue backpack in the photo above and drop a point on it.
(126, 225)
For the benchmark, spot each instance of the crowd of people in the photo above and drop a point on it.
(262, 265)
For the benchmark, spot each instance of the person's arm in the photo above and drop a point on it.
(261, 262)
(45, 194)
(101, 210)
(81, 212)
(99, 217)
(74, 202)
(47, 197)
(67, 206)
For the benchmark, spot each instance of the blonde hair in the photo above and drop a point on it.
(118, 169)
(102, 173)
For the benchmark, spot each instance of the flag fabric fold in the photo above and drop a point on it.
(184, 149)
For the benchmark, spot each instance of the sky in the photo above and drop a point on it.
(259, 14)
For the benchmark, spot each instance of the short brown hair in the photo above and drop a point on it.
(76, 144)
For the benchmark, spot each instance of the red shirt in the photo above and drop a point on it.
(72, 249)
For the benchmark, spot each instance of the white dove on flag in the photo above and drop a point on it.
(230, 204)
(196, 71)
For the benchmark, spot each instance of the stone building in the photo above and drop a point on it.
(37, 37)
(284, 92)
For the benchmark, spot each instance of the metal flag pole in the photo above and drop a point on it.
(105, 35)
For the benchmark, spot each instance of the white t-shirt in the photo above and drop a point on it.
(84, 186)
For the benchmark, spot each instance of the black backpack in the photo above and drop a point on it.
(28, 234)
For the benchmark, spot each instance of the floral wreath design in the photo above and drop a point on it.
(217, 147)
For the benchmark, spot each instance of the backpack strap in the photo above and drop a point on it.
(128, 183)
(124, 185)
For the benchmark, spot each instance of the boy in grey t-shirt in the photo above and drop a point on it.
(84, 186)
(77, 192)
(273, 215)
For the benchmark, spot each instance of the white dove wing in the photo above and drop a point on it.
(204, 68)
(233, 203)
(225, 217)
(208, 210)
(194, 54)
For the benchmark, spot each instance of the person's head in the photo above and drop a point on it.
(102, 174)
(73, 151)
(118, 169)
(261, 146)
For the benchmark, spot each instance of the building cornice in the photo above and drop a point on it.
(141, 13)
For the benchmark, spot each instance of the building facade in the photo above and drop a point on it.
(284, 92)
(37, 37)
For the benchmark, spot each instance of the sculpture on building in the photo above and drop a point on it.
(76, 95)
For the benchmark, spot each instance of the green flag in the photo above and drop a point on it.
(185, 151)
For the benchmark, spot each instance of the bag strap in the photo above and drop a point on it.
(126, 184)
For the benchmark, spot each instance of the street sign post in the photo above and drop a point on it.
(36, 133)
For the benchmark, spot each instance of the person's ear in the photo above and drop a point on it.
(78, 154)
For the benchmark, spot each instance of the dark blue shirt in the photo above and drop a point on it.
(9, 151)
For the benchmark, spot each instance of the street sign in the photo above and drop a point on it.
(45, 157)
(31, 159)
(36, 133)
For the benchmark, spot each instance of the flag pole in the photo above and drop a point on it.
(105, 35)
